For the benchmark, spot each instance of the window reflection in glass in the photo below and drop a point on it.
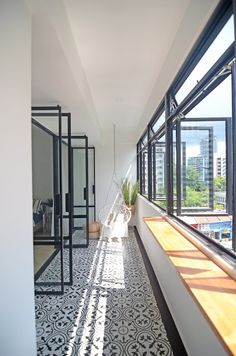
(159, 122)
(158, 172)
(144, 173)
(224, 39)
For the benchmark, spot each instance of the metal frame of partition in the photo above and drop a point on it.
(87, 206)
(86, 190)
(58, 241)
(91, 206)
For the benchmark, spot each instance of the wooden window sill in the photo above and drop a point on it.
(211, 287)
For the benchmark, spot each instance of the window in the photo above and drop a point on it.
(196, 153)
(158, 122)
(217, 104)
(224, 39)
(142, 159)
(145, 172)
(203, 166)
(204, 184)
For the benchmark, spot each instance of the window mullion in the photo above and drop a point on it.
(169, 157)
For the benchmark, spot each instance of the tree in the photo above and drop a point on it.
(220, 184)
(193, 180)
(196, 198)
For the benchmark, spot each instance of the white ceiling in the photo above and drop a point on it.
(111, 61)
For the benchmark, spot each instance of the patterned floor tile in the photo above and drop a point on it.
(109, 310)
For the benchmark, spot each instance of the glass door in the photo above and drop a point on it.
(81, 191)
(91, 183)
(49, 185)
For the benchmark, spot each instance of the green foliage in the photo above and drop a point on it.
(196, 198)
(193, 180)
(161, 190)
(134, 193)
(161, 203)
(220, 184)
(218, 206)
(129, 191)
(125, 187)
(197, 192)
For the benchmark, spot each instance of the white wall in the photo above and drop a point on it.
(195, 19)
(17, 325)
(42, 162)
(125, 165)
(196, 333)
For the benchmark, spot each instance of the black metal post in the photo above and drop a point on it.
(183, 177)
(178, 168)
(60, 198)
(70, 187)
(234, 151)
(229, 166)
(154, 175)
(94, 182)
(137, 164)
(87, 189)
(149, 165)
(55, 184)
(169, 157)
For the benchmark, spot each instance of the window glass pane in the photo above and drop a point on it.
(158, 172)
(196, 182)
(217, 104)
(144, 140)
(203, 182)
(144, 173)
(218, 228)
(160, 121)
(217, 48)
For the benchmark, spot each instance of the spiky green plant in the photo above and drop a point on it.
(126, 190)
(129, 191)
(134, 193)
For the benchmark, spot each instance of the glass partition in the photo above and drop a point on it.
(81, 191)
(51, 177)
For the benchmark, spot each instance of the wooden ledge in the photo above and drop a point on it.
(212, 288)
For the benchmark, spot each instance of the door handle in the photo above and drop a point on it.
(67, 198)
(85, 194)
(57, 204)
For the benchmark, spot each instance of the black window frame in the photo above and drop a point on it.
(154, 140)
(174, 112)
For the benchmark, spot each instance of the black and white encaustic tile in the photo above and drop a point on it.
(109, 310)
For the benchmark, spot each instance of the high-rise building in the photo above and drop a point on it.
(221, 166)
(160, 168)
(206, 152)
(198, 164)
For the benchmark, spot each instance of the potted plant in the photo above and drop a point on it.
(130, 193)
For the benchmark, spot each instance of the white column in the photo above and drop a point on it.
(17, 320)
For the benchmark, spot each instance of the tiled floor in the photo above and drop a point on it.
(109, 310)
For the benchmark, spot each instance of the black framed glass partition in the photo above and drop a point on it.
(91, 183)
(51, 188)
(81, 191)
